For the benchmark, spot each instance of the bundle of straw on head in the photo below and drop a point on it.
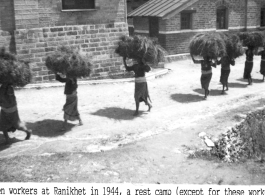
(252, 39)
(208, 45)
(141, 48)
(14, 71)
(68, 62)
(125, 46)
(234, 47)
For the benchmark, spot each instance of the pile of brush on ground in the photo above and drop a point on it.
(141, 48)
(243, 141)
(14, 71)
(216, 45)
(252, 39)
(70, 62)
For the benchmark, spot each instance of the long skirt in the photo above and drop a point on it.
(224, 76)
(10, 121)
(248, 70)
(205, 80)
(70, 108)
(262, 67)
(141, 92)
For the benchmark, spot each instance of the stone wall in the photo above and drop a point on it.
(98, 41)
(36, 28)
(42, 13)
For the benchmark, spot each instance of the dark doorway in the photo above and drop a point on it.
(262, 17)
(153, 27)
(221, 18)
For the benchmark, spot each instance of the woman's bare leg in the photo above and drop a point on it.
(149, 106)
(6, 136)
(80, 121)
(64, 125)
(137, 103)
(205, 93)
(223, 91)
(23, 128)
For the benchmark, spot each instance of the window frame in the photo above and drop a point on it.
(79, 9)
(188, 13)
(262, 20)
(226, 25)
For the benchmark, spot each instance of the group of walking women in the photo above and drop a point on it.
(226, 61)
(10, 121)
(9, 117)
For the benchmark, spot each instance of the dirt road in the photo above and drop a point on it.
(114, 146)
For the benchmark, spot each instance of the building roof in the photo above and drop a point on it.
(161, 8)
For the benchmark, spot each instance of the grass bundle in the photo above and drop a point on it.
(141, 47)
(14, 71)
(208, 44)
(69, 62)
(234, 47)
(252, 39)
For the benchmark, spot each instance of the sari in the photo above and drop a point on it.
(70, 108)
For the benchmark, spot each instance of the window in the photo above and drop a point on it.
(262, 17)
(221, 18)
(185, 20)
(78, 4)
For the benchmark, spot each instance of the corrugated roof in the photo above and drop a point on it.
(159, 8)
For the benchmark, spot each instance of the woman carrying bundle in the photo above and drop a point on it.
(225, 71)
(206, 67)
(249, 64)
(262, 63)
(141, 89)
(70, 108)
(9, 118)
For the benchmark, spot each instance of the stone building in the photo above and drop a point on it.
(34, 28)
(174, 22)
(132, 5)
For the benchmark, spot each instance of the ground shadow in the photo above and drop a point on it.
(4, 146)
(48, 128)
(237, 85)
(213, 92)
(186, 98)
(253, 80)
(118, 113)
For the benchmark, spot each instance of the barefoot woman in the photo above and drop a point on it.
(262, 63)
(225, 71)
(9, 118)
(249, 64)
(70, 108)
(141, 88)
(206, 67)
